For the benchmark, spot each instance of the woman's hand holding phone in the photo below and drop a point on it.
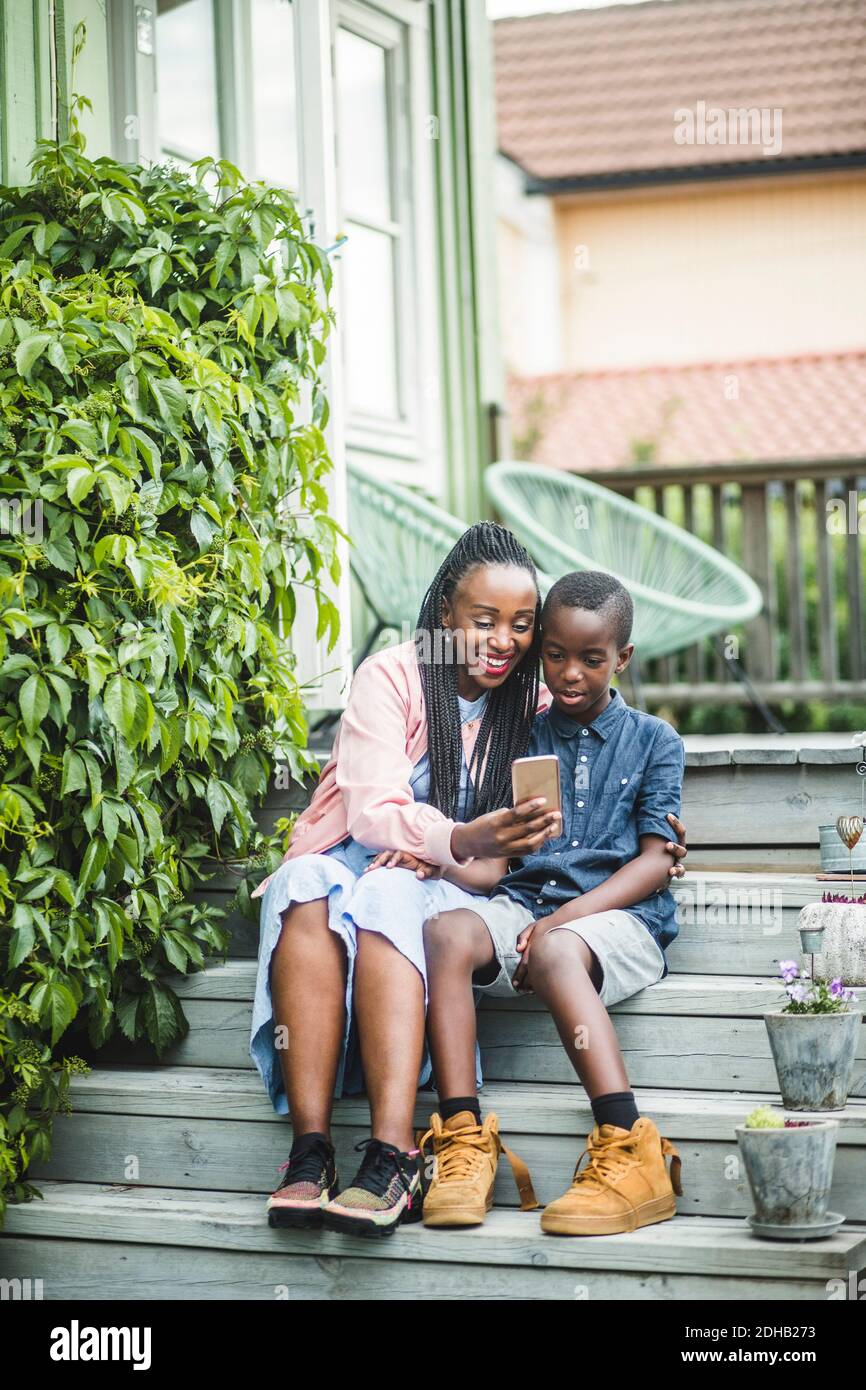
(512, 832)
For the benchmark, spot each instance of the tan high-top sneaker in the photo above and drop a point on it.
(624, 1185)
(466, 1156)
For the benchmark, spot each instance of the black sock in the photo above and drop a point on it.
(447, 1108)
(616, 1108)
(304, 1141)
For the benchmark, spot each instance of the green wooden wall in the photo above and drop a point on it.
(35, 76)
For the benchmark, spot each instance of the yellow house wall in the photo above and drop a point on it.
(712, 273)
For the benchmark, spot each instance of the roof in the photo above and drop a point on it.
(588, 97)
(797, 408)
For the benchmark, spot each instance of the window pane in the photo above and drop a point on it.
(275, 123)
(364, 154)
(368, 320)
(186, 78)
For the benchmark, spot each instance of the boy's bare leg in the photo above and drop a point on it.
(456, 945)
(560, 971)
(308, 989)
(388, 1000)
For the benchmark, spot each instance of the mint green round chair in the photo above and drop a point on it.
(399, 540)
(683, 589)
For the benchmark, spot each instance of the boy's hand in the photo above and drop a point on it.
(402, 859)
(679, 850)
(509, 833)
(523, 945)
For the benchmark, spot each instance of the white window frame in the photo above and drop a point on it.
(408, 450)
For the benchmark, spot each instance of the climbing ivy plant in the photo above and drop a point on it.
(161, 502)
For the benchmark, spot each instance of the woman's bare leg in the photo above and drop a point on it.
(308, 989)
(388, 999)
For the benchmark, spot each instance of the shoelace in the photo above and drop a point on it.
(378, 1167)
(457, 1161)
(462, 1155)
(307, 1165)
(609, 1159)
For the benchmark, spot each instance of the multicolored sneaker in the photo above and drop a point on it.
(386, 1190)
(309, 1181)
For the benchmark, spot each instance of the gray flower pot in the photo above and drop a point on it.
(835, 858)
(814, 1057)
(790, 1171)
(839, 932)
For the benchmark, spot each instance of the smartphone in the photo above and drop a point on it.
(532, 777)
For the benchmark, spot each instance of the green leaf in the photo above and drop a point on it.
(23, 939)
(74, 773)
(33, 698)
(160, 1016)
(29, 351)
(129, 708)
(218, 802)
(56, 1006)
(159, 271)
(61, 553)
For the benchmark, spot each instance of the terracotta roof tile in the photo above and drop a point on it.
(592, 93)
(802, 408)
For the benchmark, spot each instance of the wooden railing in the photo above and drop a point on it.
(799, 529)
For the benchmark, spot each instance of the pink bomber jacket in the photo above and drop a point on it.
(364, 789)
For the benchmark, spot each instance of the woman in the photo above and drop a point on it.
(419, 780)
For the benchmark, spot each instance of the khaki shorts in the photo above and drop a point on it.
(628, 954)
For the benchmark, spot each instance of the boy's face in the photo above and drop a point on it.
(580, 657)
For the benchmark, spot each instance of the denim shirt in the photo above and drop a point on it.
(620, 776)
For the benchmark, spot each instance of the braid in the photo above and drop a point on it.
(507, 720)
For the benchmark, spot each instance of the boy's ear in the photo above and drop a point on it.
(623, 658)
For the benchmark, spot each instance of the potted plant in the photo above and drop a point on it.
(789, 1165)
(834, 932)
(814, 1041)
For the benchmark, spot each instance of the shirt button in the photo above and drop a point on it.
(583, 757)
(622, 781)
(575, 842)
(580, 803)
(584, 732)
(553, 883)
(538, 900)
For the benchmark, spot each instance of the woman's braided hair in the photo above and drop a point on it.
(508, 714)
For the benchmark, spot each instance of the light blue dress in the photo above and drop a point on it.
(392, 902)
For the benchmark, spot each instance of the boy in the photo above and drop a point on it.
(582, 923)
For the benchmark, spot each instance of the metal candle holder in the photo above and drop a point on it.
(849, 829)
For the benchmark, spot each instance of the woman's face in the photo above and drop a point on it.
(492, 616)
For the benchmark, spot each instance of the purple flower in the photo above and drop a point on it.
(798, 993)
(837, 989)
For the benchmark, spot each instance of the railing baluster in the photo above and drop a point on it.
(760, 653)
(856, 660)
(667, 665)
(799, 663)
(716, 491)
(695, 653)
(826, 589)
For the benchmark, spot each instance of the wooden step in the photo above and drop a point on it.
(97, 1241)
(708, 1032)
(215, 1129)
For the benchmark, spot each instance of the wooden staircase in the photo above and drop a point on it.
(163, 1168)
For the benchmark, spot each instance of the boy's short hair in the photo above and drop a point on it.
(599, 593)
